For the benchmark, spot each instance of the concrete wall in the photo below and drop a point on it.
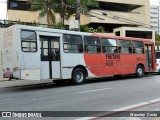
(154, 17)
(1, 37)
(123, 30)
(141, 14)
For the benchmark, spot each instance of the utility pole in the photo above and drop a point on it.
(158, 17)
(77, 17)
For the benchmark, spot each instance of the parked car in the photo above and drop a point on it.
(157, 62)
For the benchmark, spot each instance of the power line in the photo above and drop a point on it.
(115, 17)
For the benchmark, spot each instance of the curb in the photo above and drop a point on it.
(4, 79)
(29, 85)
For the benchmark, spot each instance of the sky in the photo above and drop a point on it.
(3, 7)
(154, 2)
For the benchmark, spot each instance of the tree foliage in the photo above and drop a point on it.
(65, 8)
(45, 8)
(157, 39)
(86, 28)
(86, 4)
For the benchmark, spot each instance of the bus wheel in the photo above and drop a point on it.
(78, 76)
(139, 71)
(158, 72)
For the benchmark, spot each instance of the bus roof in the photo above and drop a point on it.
(120, 37)
(51, 30)
(42, 29)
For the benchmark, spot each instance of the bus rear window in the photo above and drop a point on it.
(28, 41)
(92, 44)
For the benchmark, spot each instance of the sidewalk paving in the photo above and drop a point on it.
(5, 82)
(4, 79)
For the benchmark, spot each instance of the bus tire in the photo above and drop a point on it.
(78, 76)
(158, 72)
(139, 71)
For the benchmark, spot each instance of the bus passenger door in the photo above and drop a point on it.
(50, 57)
(149, 57)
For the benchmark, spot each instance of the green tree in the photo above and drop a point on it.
(157, 39)
(65, 8)
(86, 28)
(50, 7)
(46, 9)
(82, 6)
(86, 4)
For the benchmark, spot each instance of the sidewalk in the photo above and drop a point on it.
(5, 82)
(4, 79)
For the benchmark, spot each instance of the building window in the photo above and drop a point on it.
(18, 5)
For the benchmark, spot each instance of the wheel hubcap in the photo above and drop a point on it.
(140, 71)
(79, 76)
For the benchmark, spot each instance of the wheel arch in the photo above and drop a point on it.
(82, 67)
(139, 72)
(140, 64)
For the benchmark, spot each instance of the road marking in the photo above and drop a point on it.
(86, 118)
(142, 104)
(129, 118)
(95, 90)
(158, 109)
(127, 108)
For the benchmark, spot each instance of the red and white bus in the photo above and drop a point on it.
(36, 53)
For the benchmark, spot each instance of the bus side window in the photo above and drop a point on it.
(133, 50)
(109, 46)
(55, 54)
(130, 50)
(125, 50)
(124, 46)
(92, 44)
(28, 41)
(138, 47)
(72, 43)
(116, 50)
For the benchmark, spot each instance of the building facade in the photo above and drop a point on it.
(110, 14)
(154, 17)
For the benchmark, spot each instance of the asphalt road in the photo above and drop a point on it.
(105, 94)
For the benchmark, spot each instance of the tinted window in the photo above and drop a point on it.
(157, 55)
(137, 47)
(124, 46)
(72, 44)
(28, 41)
(109, 46)
(124, 43)
(92, 44)
(137, 44)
